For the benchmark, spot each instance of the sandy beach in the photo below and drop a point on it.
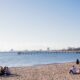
(43, 72)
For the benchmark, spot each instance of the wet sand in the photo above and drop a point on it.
(43, 72)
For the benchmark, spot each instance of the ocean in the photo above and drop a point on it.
(18, 60)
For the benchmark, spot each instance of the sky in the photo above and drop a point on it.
(39, 24)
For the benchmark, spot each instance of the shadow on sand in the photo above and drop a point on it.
(11, 75)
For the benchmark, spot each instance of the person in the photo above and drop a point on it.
(74, 70)
(2, 71)
(6, 71)
(77, 61)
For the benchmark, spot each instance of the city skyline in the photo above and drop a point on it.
(38, 24)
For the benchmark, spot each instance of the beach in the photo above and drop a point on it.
(43, 72)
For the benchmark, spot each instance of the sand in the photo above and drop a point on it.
(43, 72)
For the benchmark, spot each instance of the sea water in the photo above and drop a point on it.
(18, 60)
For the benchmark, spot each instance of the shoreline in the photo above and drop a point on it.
(39, 64)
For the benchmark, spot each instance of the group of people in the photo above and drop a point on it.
(4, 71)
(74, 70)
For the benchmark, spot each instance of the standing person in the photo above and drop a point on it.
(77, 61)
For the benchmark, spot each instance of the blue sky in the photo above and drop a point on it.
(38, 24)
